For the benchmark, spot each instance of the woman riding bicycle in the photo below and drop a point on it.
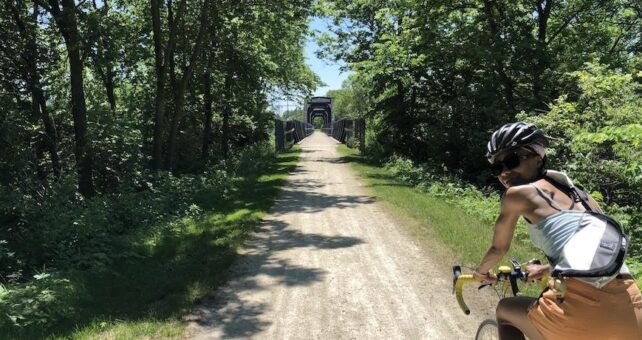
(595, 308)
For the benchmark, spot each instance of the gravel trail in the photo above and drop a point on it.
(329, 262)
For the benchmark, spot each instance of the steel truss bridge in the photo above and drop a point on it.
(346, 130)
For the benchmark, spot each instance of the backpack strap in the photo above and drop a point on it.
(548, 199)
(576, 194)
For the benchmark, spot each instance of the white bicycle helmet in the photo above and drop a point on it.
(512, 136)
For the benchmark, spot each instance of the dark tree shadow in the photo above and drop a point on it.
(236, 317)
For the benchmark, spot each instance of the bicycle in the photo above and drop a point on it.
(488, 328)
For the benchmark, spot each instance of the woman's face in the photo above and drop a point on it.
(524, 173)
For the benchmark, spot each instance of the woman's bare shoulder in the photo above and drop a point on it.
(519, 194)
(520, 190)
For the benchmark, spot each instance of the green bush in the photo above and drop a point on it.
(352, 142)
(597, 139)
(72, 237)
(36, 303)
(253, 158)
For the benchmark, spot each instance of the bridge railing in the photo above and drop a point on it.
(351, 132)
(288, 133)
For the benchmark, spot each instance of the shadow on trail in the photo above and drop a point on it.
(298, 171)
(235, 316)
(231, 313)
(300, 196)
(280, 238)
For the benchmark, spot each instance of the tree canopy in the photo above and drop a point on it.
(440, 75)
(151, 85)
(117, 114)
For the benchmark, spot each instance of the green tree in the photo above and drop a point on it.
(442, 75)
(64, 13)
(597, 138)
(296, 114)
(351, 100)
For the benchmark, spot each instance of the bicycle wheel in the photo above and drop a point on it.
(487, 330)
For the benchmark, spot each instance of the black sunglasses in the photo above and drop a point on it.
(510, 162)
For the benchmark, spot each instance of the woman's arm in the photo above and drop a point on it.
(513, 204)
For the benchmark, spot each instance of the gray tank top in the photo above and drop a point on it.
(553, 232)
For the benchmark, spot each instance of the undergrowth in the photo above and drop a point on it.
(123, 263)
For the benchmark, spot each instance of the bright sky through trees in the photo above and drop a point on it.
(328, 71)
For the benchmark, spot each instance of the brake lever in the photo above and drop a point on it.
(516, 265)
(483, 286)
(456, 274)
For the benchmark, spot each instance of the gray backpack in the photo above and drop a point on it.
(599, 246)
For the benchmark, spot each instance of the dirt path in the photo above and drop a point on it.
(330, 263)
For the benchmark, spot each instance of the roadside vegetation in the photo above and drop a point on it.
(142, 281)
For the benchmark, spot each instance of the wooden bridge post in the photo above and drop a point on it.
(360, 134)
(279, 135)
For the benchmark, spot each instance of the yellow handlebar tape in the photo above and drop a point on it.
(505, 269)
(461, 280)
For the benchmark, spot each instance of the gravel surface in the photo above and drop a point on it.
(329, 262)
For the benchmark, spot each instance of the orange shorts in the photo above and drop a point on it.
(612, 312)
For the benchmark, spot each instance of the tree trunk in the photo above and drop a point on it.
(207, 110)
(161, 62)
(179, 100)
(67, 23)
(39, 102)
(102, 63)
(51, 136)
(159, 101)
(227, 88)
(170, 60)
(401, 121)
(109, 87)
(83, 152)
(541, 53)
(173, 130)
(109, 81)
